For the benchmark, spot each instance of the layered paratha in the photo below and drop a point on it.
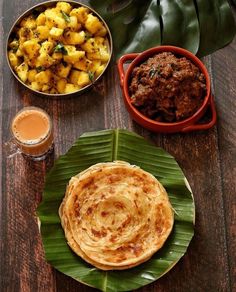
(115, 215)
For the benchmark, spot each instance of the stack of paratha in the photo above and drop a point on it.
(115, 215)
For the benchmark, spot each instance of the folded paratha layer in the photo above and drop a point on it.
(115, 215)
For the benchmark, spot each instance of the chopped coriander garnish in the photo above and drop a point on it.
(40, 68)
(59, 48)
(65, 16)
(88, 35)
(91, 76)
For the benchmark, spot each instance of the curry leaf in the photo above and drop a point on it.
(152, 72)
(91, 76)
(40, 69)
(60, 49)
(65, 16)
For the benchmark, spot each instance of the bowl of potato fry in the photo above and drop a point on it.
(59, 48)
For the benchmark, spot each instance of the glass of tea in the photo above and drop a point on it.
(32, 132)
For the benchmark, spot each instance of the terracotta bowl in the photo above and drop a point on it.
(189, 124)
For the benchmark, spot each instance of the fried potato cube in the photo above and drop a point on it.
(45, 88)
(57, 56)
(95, 64)
(13, 59)
(36, 86)
(93, 24)
(28, 22)
(70, 48)
(99, 40)
(60, 22)
(24, 34)
(44, 60)
(61, 85)
(19, 53)
(63, 6)
(31, 48)
(46, 47)
(81, 13)
(63, 70)
(50, 13)
(71, 88)
(41, 19)
(49, 23)
(53, 20)
(43, 32)
(80, 78)
(74, 76)
(90, 46)
(83, 79)
(74, 25)
(101, 32)
(56, 33)
(102, 55)
(99, 70)
(31, 75)
(74, 57)
(83, 64)
(22, 71)
(43, 77)
(74, 38)
(14, 44)
(53, 91)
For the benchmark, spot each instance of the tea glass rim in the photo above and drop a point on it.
(36, 142)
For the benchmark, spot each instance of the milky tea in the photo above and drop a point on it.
(32, 130)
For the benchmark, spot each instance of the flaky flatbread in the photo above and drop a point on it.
(116, 215)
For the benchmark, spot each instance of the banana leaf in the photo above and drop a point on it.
(104, 146)
(199, 26)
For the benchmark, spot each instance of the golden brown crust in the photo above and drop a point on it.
(116, 216)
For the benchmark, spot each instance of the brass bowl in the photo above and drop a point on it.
(46, 5)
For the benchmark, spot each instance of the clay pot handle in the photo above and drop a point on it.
(206, 126)
(124, 59)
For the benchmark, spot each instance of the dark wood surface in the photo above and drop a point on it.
(207, 158)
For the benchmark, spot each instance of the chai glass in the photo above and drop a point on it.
(32, 132)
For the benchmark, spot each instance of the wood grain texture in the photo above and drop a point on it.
(224, 68)
(207, 158)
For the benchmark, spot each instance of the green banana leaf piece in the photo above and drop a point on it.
(217, 26)
(200, 26)
(104, 146)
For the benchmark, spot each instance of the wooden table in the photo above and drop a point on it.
(207, 158)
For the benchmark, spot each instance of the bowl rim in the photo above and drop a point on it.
(51, 3)
(178, 51)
